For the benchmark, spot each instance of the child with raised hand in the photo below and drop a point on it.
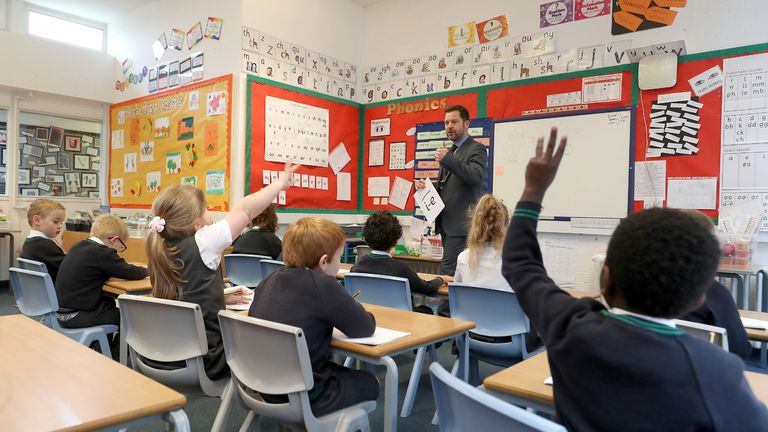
(184, 250)
(45, 218)
(260, 239)
(629, 360)
(306, 294)
(480, 263)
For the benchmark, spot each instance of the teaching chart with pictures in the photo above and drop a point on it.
(744, 150)
(295, 131)
(180, 136)
(54, 161)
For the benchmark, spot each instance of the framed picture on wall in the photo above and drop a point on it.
(72, 183)
(23, 176)
(41, 134)
(55, 136)
(64, 161)
(72, 143)
(82, 162)
(30, 192)
(90, 180)
(57, 189)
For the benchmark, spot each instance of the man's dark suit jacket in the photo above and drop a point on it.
(459, 186)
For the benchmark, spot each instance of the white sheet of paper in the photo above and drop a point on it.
(338, 158)
(692, 193)
(560, 262)
(707, 81)
(344, 186)
(401, 188)
(429, 201)
(376, 152)
(378, 186)
(380, 336)
(674, 97)
(243, 306)
(754, 323)
(650, 180)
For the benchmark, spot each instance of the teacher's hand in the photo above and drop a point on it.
(421, 184)
(440, 153)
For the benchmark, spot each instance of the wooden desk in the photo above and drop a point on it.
(345, 268)
(758, 335)
(119, 286)
(523, 384)
(50, 382)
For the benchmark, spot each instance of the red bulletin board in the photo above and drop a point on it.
(521, 99)
(344, 126)
(404, 115)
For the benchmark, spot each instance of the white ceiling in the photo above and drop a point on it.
(365, 3)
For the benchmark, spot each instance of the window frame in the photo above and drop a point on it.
(30, 8)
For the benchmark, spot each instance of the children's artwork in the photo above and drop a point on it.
(190, 180)
(295, 131)
(72, 183)
(194, 100)
(153, 181)
(556, 12)
(637, 15)
(90, 180)
(197, 66)
(32, 150)
(54, 179)
(23, 176)
(194, 35)
(82, 162)
(177, 39)
(38, 171)
(116, 187)
(147, 131)
(129, 162)
(57, 189)
(159, 46)
(41, 134)
(147, 151)
(585, 9)
(186, 128)
(217, 103)
(214, 182)
(55, 136)
(72, 143)
(462, 34)
(64, 161)
(173, 74)
(211, 139)
(492, 29)
(30, 192)
(173, 163)
(45, 187)
(92, 151)
(162, 128)
(133, 132)
(213, 28)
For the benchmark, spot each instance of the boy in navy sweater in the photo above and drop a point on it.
(45, 218)
(627, 367)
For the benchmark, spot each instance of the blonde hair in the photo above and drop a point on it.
(181, 206)
(309, 239)
(488, 226)
(42, 207)
(109, 225)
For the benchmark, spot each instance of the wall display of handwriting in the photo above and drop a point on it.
(431, 136)
(57, 162)
(319, 132)
(284, 62)
(176, 137)
(390, 147)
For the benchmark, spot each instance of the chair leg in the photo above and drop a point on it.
(178, 420)
(432, 354)
(227, 399)
(413, 384)
(101, 338)
(474, 372)
(251, 423)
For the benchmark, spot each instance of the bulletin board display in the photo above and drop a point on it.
(320, 132)
(180, 136)
(580, 91)
(389, 147)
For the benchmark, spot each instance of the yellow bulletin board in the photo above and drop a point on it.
(175, 137)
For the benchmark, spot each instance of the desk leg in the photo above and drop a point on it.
(764, 355)
(413, 383)
(178, 418)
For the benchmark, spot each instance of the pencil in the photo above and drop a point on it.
(357, 294)
(711, 337)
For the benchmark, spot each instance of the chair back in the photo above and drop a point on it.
(712, 334)
(361, 251)
(390, 291)
(495, 312)
(35, 295)
(244, 269)
(461, 407)
(28, 264)
(167, 331)
(284, 368)
(268, 266)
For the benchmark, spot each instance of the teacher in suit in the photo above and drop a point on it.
(462, 171)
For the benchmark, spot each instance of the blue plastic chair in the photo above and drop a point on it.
(461, 407)
(389, 291)
(268, 266)
(243, 269)
(28, 264)
(496, 313)
(36, 296)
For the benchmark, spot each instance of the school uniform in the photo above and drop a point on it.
(87, 266)
(256, 242)
(614, 369)
(317, 303)
(487, 273)
(720, 310)
(382, 263)
(39, 247)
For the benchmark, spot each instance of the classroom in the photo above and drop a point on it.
(339, 113)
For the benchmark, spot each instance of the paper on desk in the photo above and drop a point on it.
(548, 381)
(380, 336)
(754, 323)
(240, 306)
(343, 271)
(429, 201)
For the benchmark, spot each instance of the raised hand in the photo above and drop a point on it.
(285, 176)
(542, 168)
(441, 152)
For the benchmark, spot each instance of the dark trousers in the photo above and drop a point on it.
(452, 247)
(105, 314)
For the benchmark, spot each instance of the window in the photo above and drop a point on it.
(58, 156)
(59, 27)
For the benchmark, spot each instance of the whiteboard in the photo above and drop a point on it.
(594, 176)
